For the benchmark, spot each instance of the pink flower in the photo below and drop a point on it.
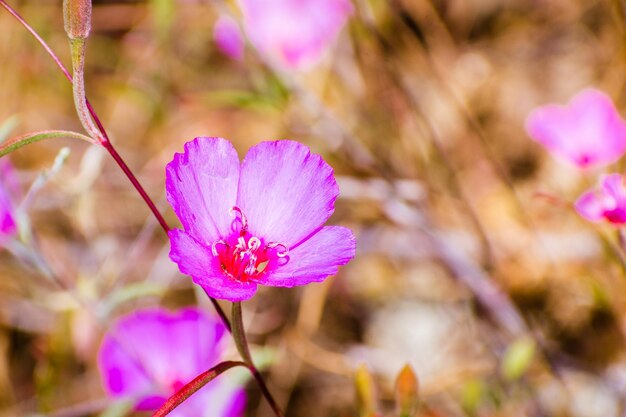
(8, 192)
(587, 132)
(294, 33)
(228, 37)
(258, 222)
(149, 354)
(608, 203)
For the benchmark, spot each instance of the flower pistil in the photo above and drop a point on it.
(243, 256)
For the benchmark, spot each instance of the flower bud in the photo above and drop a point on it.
(77, 18)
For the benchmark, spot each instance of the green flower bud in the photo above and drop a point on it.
(77, 18)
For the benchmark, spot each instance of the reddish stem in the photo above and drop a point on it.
(265, 391)
(239, 335)
(198, 382)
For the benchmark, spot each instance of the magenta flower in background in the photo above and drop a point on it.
(228, 37)
(256, 222)
(293, 33)
(587, 132)
(149, 354)
(608, 203)
(8, 191)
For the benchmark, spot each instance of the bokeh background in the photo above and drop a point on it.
(471, 266)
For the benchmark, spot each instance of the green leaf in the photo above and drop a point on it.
(518, 357)
(17, 142)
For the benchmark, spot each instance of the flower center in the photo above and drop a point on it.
(243, 256)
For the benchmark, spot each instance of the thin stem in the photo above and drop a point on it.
(239, 333)
(190, 388)
(239, 336)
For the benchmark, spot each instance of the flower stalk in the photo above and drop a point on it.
(241, 342)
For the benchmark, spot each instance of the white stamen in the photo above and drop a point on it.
(254, 243)
(214, 246)
(242, 217)
(282, 252)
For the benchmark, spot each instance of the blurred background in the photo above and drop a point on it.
(471, 265)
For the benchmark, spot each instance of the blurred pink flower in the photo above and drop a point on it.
(609, 202)
(293, 33)
(256, 222)
(149, 354)
(587, 132)
(8, 192)
(228, 37)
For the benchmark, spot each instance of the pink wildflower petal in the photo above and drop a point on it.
(122, 375)
(294, 33)
(315, 259)
(587, 132)
(151, 353)
(7, 222)
(285, 191)
(589, 206)
(228, 37)
(9, 190)
(613, 185)
(201, 187)
(196, 260)
(614, 198)
(170, 357)
(285, 195)
(608, 202)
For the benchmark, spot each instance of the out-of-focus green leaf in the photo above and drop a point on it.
(517, 358)
(23, 220)
(244, 99)
(12, 144)
(164, 13)
(365, 392)
(130, 292)
(118, 409)
(7, 127)
(472, 396)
